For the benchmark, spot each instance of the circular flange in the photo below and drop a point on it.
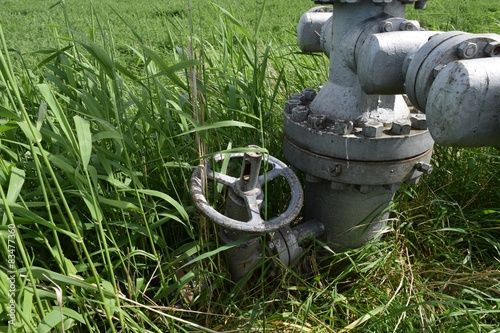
(355, 146)
(434, 55)
(354, 172)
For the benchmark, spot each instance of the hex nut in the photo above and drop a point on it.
(308, 94)
(437, 69)
(300, 113)
(316, 121)
(409, 26)
(418, 121)
(401, 127)
(343, 127)
(386, 26)
(467, 50)
(373, 129)
(290, 105)
(424, 167)
(492, 49)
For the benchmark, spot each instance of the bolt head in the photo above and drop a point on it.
(401, 127)
(373, 129)
(467, 50)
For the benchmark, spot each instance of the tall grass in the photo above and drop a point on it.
(95, 155)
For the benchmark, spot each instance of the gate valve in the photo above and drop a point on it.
(249, 188)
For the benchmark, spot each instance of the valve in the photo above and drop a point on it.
(249, 188)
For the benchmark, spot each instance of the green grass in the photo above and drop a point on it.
(101, 126)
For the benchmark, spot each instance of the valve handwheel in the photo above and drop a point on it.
(251, 195)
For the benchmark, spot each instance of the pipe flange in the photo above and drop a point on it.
(347, 171)
(359, 142)
(433, 56)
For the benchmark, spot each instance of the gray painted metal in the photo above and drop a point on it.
(426, 63)
(354, 172)
(310, 36)
(253, 198)
(356, 146)
(463, 104)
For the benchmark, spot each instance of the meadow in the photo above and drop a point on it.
(105, 109)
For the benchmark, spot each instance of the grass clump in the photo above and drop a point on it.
(98, 137)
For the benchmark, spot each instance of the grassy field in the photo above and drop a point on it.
(101, 125)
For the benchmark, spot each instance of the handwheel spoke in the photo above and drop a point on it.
(222, 178)
(270, 175)
(253, 206)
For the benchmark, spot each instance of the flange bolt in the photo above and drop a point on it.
(300, 113)
(308, 94)
(386, 26)
(418, 121)
(424, 167)
(467, 50)
(316, 121)
(373, 129)
(492, 49)
(401, 127)
(343, 127)
(409, 26)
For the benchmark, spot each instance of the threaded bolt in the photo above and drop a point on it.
(409, 26)
(492, 49)
(424, 167)
(386, 26)
(467, 50)
(316, 121)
